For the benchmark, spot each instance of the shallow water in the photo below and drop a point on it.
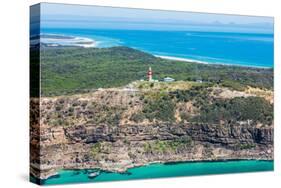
(163, 170)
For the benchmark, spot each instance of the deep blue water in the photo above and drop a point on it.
(163, 170)
(247, 49)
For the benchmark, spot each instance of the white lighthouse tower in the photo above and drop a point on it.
(149, 75)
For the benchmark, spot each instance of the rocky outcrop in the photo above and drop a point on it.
(222, 134)
(95, 131)
(124, 147)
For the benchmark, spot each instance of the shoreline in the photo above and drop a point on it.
(173, 58)
(56, 173)
(125, 170)
(55, 40)
(86, 42)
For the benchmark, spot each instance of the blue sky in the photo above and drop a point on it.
(78, 16)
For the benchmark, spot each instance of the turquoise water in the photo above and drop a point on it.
(163, 170)
(245, 49)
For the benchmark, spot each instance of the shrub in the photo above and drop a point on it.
(137, 117)
(237, 109)
(233, 85)
(163, 146)
(96, 149)
(162, 109)
(246, 146)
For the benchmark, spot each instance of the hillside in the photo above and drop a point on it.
(69, 70)
(115, 129)
(95, 113)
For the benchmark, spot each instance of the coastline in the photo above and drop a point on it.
(123, 163)
(165, 165)
(125, 169)
(55, 40)
(173, 58)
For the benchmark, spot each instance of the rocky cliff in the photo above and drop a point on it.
(97, 130)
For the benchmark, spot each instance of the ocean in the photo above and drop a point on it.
(163, 170)
(243, 49)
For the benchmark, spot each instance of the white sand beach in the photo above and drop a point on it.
(61, 40)
(180, 59)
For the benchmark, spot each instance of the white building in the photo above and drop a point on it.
(169, 79)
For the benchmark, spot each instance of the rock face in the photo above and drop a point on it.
(118, 146)
(123, 147)
(221, 134)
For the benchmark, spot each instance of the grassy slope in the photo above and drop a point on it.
(73, 70)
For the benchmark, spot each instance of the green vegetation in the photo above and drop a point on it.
(105, 114)
(99, 149)
(256, 109)
(163, 146)
(66, 112)
(246, 146)
(159, 107)
(237, 109)
(198, 94)
(96, 149)
(69, 70)
(233, 85)
(162, 106)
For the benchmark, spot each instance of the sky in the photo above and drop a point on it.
(98, 17)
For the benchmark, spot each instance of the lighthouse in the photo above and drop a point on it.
(149, 75)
